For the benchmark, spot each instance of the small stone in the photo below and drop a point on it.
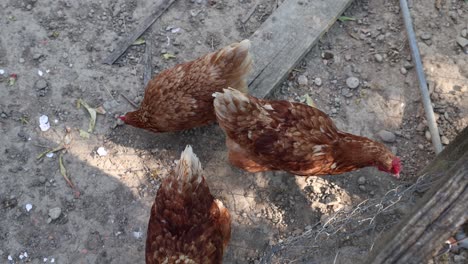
(361, 180)
(55, 212)
(21, 60)
(352, 82)
(464, 33)
(428, 135)
(421, 127)
(334, 111)
(41, 84)
(302, 80)
(403, 70)
(378, 57)
(408, 65)
(37, 56)
(318, 81)
(347, 57)
(387, 136)
(42, 179)
(445, 140)
(327, 55)
(29, 7)
(420, 146)
(362, 188)
(101, 151)
(463, 42)
(426, 36)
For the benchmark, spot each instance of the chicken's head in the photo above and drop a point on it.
(132, 118)
(394, 167)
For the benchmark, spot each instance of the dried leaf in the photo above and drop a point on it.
(168, 56)
(345, 18)
(84, 134)
(309, 101)
(139, 41)
(63, 171)
(101, 110)
(40, 156)
(92, 114)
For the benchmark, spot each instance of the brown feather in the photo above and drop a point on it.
(186, 223)
(280, 135)
(180, 98)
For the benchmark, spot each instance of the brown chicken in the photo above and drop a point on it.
(187, 225)
(180, 98)
(280, 135)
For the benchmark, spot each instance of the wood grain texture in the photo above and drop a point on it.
(437, 216)
(286, 36)
(159, 9)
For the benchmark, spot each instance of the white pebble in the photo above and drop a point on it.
(101, 151)
(2, 71)
(50, 154)
(40, 73)
(44, 122)
(10, 258)
(138, 234)
(28, 207)
(352, 82)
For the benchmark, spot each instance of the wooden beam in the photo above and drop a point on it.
(286, 36)
(437, 216)
(159, 9)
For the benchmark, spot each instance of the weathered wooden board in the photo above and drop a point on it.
(438, 215)
(286, 36)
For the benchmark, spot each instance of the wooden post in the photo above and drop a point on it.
(442, 210)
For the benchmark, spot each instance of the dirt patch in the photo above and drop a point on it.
(55, 48)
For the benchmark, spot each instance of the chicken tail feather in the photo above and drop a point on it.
(189, 168)
(234, 62)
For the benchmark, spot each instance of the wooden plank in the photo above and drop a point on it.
(159, 9)
(438, 215)
(286, 36)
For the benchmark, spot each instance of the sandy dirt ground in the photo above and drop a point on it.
(55, 49)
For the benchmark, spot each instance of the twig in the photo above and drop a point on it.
(130, 101)
(123, 45)
(249, 14)
(147, 61)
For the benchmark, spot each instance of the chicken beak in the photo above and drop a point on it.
(122, 118)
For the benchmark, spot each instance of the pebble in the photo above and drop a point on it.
(426, 36)
(378, 57)
(420, 146)
(463, 42)
(428, 135)
(408, 65)
(387, 136)
(362, 188)
(21, 60)
(37, 56)
(361, 180)
(403, 70)
(352, 82)
(42, 179)
(464, 33)
(421, 127)
(347, 57)
(41, 84)
(55, 212)
(445, 140)
(302, 80)
(101, 151)
(318, 81)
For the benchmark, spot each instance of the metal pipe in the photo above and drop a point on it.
(431, 122)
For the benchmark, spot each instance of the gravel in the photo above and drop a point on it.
(55, 212)
(352, 82)
(387, 136)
